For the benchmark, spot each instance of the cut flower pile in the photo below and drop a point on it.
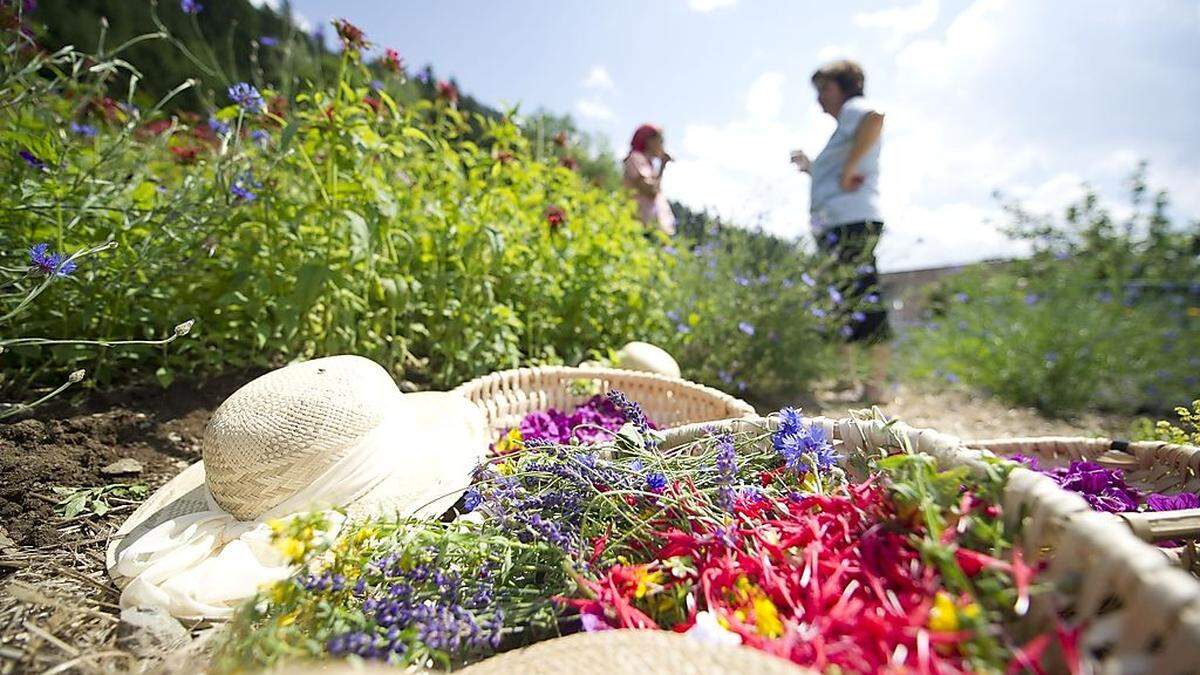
(768, 539)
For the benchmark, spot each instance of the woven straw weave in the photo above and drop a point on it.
(1141, 614)
(280, 431)
(509, 395)
(1149, 466)
(615, 652)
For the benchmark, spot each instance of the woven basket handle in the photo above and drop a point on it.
(1162, 525)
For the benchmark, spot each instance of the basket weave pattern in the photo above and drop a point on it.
(506, 397)
(1141, 613)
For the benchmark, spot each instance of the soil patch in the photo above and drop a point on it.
(56, 601)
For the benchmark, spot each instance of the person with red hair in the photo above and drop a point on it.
(645, 179)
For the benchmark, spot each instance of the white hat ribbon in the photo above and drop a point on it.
(202, 565)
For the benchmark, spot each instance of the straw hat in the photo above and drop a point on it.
(281, 432)
(648, 358)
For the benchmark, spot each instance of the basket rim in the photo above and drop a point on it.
(733, 403)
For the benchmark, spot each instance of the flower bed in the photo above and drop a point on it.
(770, 538)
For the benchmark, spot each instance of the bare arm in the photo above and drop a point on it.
(867, 135)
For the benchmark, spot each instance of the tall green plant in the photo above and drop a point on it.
(339, 222)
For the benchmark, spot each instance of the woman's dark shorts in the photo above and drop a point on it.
(853, 247)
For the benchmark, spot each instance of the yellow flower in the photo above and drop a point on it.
(287, 619)
(505, 469)
(766, 618)
(365, 534)
(943, 616)
(277, 525)
(513, 440)
(279, 591)
(647, 583)
(292, 549)
(971, 611)
(1193, 311)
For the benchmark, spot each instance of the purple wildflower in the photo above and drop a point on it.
(243, 187)
(808, 280)
(190, 6)
(1176, 502)
(32, 160)
(835, 295)
(268, 41)
(656, 483)
(246, 95)
(45, 262)
(471, 500)
(746, 328)
(85, 130)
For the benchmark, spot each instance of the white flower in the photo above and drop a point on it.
(710, 631)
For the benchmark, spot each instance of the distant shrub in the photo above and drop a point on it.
(1104, 314)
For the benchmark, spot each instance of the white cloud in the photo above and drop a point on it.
(599, 78)
(764, 101)
(709, 5)
(593, 110)
(832, 52)
(900, 22)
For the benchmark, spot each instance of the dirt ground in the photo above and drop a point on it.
(58, 610)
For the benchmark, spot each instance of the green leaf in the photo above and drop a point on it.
(289, 132)
(165, 376)
(360, 236)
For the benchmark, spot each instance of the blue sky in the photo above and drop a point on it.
(1024, 96)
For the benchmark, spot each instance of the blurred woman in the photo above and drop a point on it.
(645, 179)
(846, 219)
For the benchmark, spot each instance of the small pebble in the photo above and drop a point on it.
(122, 466)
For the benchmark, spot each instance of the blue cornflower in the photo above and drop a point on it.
(656, 483)
(85, 130)
(268, 41)
(673, 314)
(1032, 298)
(242, 187)
(741, 281)
(746, 328)
(219, 128)
(471, 500)
(835, 295)
(682, 329)
(802, 446)
(190, 6)
(872, 298)
(247, 96)
(808, 280)
(32, 160)
(790, 421)
(818, 312)
(846, 331)
(44, 261)
(858, 317)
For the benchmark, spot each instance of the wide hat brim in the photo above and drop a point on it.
(445, 470)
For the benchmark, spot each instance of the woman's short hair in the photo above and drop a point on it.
(848, 75)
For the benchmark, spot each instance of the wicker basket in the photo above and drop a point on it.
(1148, 466)
(1141, 614)
(509, 395)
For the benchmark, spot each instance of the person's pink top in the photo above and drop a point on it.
(652, 210)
